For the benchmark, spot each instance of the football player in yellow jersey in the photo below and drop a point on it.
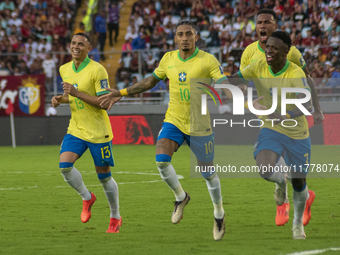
(84, 81)
(180, 66)
(266, 24)
(277, 71)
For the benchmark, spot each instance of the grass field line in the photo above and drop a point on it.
(94, 185)
(313, 252)
(19, 188)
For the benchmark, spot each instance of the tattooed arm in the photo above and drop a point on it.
(108, 100)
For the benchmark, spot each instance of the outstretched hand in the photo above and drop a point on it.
(257, 105)
(108, 100)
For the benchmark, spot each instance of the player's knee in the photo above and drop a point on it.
(162, 161)
(299, 184)
(104, 177)
(209, 176)
(65, 167)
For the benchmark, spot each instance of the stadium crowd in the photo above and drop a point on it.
(314, 26)
(34, 28)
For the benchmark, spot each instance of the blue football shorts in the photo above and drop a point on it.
(201, 146)
(101, 152)
(297, 152)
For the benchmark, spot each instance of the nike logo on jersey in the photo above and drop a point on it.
(66, 77)
(170, 67)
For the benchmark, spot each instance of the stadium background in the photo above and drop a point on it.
(35, 39)
(40, 213)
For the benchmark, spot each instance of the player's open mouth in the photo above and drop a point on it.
(75, 51)
(263, 36)
(269, 58)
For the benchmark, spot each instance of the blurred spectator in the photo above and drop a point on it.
(252, 9)
(80, 29)
(49, 68)
(299, 15)
(23, 68)
(316, 32)
(236, 27)
(247, 27)
(334, 39)
(139, 43)
(94, 54)
(307, 41)
(100, 29)
(155, 39)
(333, 3)
(113, 24)
(247, 40)
(203, 21)
(150, 63)
(122, 72)
(213, 35)
(313, 49)
(334, 80)
(7, 4)
(334, 26)
(36, 67)
(131, 34)
(326, 22)
(321, 57)
(228, 11)
(218, 20)
(126, 47)
(200, 43)
(126, 83)
(317, 71)
(134, 63)
(326, 49)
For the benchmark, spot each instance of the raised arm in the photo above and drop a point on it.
(108, 100)
(92, 100)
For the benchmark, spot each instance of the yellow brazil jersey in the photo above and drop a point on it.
(264, 80)
(87, 122)
(254, 52)
(183, 78)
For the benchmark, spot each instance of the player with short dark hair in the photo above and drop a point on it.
(180, 66)
(84, 82)
(276, 71)
(266, 24)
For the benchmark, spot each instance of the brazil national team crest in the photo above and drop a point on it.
(29, 96)
(182, 76)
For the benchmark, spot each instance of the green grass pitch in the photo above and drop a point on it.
(40, 213)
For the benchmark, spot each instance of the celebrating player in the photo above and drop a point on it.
(266, 24)
(84, 81)
(180, 66)
(278, 72)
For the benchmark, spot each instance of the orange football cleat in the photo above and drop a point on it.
(307, 214)
(282, 214)
(86, 212)
(114, 225)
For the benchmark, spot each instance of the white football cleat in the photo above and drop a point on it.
(299, 232)
(177, 214)
(219, 228)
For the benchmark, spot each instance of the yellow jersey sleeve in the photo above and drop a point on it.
(216, 70)
(248, 73)
(295, 56)
(245, 61)
(102, 81)
(160, 72)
